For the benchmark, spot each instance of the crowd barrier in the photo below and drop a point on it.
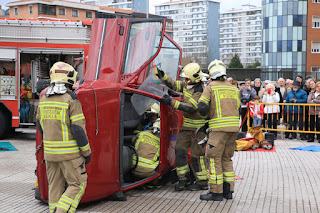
(284, 116)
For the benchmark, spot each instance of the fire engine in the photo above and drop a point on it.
(28, 48)
(118, 87)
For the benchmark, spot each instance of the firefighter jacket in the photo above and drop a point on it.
(62, 125)
(147, 146)
(223, 102)
(189, 104)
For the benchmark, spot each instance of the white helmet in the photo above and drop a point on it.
(217, 69)
(156, 126)
(155, 108)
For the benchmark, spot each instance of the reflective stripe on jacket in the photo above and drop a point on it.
(56, 113)
(224, 102)
(148, 149)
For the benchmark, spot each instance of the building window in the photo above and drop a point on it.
(88, 14)
(299, 45)
(267, 46)
(297, 20)
(46, 9)
(279, 46)
(15, 11)
(316, 1)
(30, 9)
(62, 11)
(315, 69)
(289, 46)
(279, 21)
(74, 13)
(266, 23)
(315, 47)
(315, 21)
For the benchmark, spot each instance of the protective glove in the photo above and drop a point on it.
(87, 159)
(166, 100)
(159, 73)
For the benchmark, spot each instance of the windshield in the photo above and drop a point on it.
(151, 85)
(144, 41)
(168, 58)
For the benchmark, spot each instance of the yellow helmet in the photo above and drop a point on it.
(63, 73)
(193, 72)
(217, 69)
(155, 108)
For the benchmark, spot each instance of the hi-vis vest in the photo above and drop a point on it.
(224, 102)
(190, 98)
(148, 149)
(56, 113)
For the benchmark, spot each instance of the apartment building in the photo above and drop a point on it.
(69, 10)
(241, 33)
(313, 38)
(136, 5)
(195, 27)
(285, 36)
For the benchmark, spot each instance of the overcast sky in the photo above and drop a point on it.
(225, 4)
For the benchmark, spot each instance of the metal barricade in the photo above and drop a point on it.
(304, 120)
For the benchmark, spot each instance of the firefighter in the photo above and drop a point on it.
(151, 115)
(147, 145)
(192, 88)
(66, 147)
(221, 101)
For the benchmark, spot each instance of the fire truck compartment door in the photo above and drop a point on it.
(52, 51)
(8, 54)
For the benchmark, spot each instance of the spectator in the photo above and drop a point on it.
(266, 82)
(282, 86)
(230, 80)
(289, 82)
(271, 112)
(256, 111)
(235, 83)
(306, 87)
(300, 80)
(285, 113)
(314, 98)
(258, 87)
(246, 94)
(277, 90)
(297, 95)
(312, 85)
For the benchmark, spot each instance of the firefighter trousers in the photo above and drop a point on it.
(187, 139)
(72, 172)
(220, 150)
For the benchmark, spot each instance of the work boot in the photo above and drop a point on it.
(197, 187)
(212, 196)
(182, 185)
(227, 194)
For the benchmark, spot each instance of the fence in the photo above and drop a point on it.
(306, 118)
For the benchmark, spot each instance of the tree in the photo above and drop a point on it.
(235, 62)
(255, 65)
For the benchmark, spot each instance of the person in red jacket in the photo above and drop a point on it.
(256, 111)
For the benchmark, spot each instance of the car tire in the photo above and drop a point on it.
(4, 125)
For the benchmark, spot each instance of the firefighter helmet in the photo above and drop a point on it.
(155, 108)
(217, 69)
(62, 72)
(193, 72)
(156, 126)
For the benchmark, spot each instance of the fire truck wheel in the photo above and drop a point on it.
(4, 124)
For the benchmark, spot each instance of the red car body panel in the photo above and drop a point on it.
(101, 98)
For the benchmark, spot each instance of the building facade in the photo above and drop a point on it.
(136, 5)
(195, 28)
(284, 36)
(67, 10)
(241, 33)
(313, 38)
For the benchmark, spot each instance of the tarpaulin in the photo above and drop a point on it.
(313, 148)
(7, 146)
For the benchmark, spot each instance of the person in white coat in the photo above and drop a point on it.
(271, 112)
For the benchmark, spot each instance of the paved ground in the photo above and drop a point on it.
(281, 181)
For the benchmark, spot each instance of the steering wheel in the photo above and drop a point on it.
(136, 153)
